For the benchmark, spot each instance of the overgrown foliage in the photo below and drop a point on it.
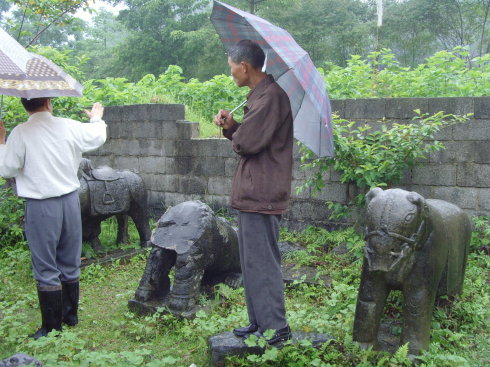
(368, 157)
(109, 335)
(11, 216)
(444, 74)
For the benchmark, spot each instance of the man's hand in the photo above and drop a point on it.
(224, 119)
(3, 132)
(97, 111)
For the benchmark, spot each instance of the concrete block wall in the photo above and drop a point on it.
(177, 165)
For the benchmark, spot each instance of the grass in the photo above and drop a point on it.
(109, 335)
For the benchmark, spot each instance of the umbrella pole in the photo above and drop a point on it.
(1, 106)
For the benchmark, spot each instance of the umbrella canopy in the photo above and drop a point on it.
(24, 74)
(292, 69)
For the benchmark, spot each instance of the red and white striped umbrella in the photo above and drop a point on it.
(292, 69)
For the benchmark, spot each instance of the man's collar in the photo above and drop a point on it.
(40, 115)
(263, 84)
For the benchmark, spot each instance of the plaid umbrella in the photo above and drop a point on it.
(24, 74)
(292, 69)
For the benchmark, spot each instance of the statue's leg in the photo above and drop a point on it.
(91, 232)
(122, 229)
(155, 283)
(370, 304)
(187, 283)
(142, 223)
(417, 316)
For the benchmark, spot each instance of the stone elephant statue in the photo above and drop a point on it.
(200, 247)
(105, 192)
(414, 245)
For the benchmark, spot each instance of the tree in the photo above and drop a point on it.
(32, 18)
(329, 30)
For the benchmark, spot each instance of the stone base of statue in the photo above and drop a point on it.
(226, 344)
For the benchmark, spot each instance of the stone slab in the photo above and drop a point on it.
(226, 344)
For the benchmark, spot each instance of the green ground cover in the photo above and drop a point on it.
(109, 335)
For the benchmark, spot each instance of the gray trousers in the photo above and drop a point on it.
(53, 229)
(260, 261)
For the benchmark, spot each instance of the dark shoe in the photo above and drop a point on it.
(71, 292)
(50, 303)
(246, 330)
(281, 335)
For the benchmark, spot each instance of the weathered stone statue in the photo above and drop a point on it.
(199, 246)
(414, 245)
(20, 359)
(105, 192)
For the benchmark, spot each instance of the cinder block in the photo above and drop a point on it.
(125, 162)
(484, 202)
(464, 197)
(150, 147)
(338, 107)
(364, 108)
(214, 147)
(165, 183)
(451, 105)
(152, 164)
(193, 185)
(175, 198)
(208, 166)
(186, 148)
(304, 194)
(307, 210)
(169, 148)
(187, 130)
(463, 152)
(482, 107)
(333, 191)
(434, 175)
(113, 113)
(230, 166)
(144, 129)
(403, 108)
(473, 175)
(219, 186)
(157, 112)
(472, 130)
(181, 165)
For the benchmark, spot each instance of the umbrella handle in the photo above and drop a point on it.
(237, 107)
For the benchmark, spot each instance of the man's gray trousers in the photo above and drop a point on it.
(260, 260)
(53, 229)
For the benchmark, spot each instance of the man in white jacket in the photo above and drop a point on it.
(43, 154)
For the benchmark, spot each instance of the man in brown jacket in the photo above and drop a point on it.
(261, 187)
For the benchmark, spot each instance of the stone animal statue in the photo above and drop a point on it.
(20, 359)
(199, 246)
(418, 246)
(105, 192)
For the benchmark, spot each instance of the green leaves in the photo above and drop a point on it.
(369, 158)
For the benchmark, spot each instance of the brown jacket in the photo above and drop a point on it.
(264, 140)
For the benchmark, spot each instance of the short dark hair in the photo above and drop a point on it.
(33, 104)
(248, 51)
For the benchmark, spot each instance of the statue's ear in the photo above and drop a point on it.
(372, 194)
(417, 199)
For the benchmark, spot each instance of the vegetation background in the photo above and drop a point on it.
(166, 51)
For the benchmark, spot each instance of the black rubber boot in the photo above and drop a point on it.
(245, 331)
(71, 293)
(50, 303)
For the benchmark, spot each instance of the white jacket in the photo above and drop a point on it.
(44, 153)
